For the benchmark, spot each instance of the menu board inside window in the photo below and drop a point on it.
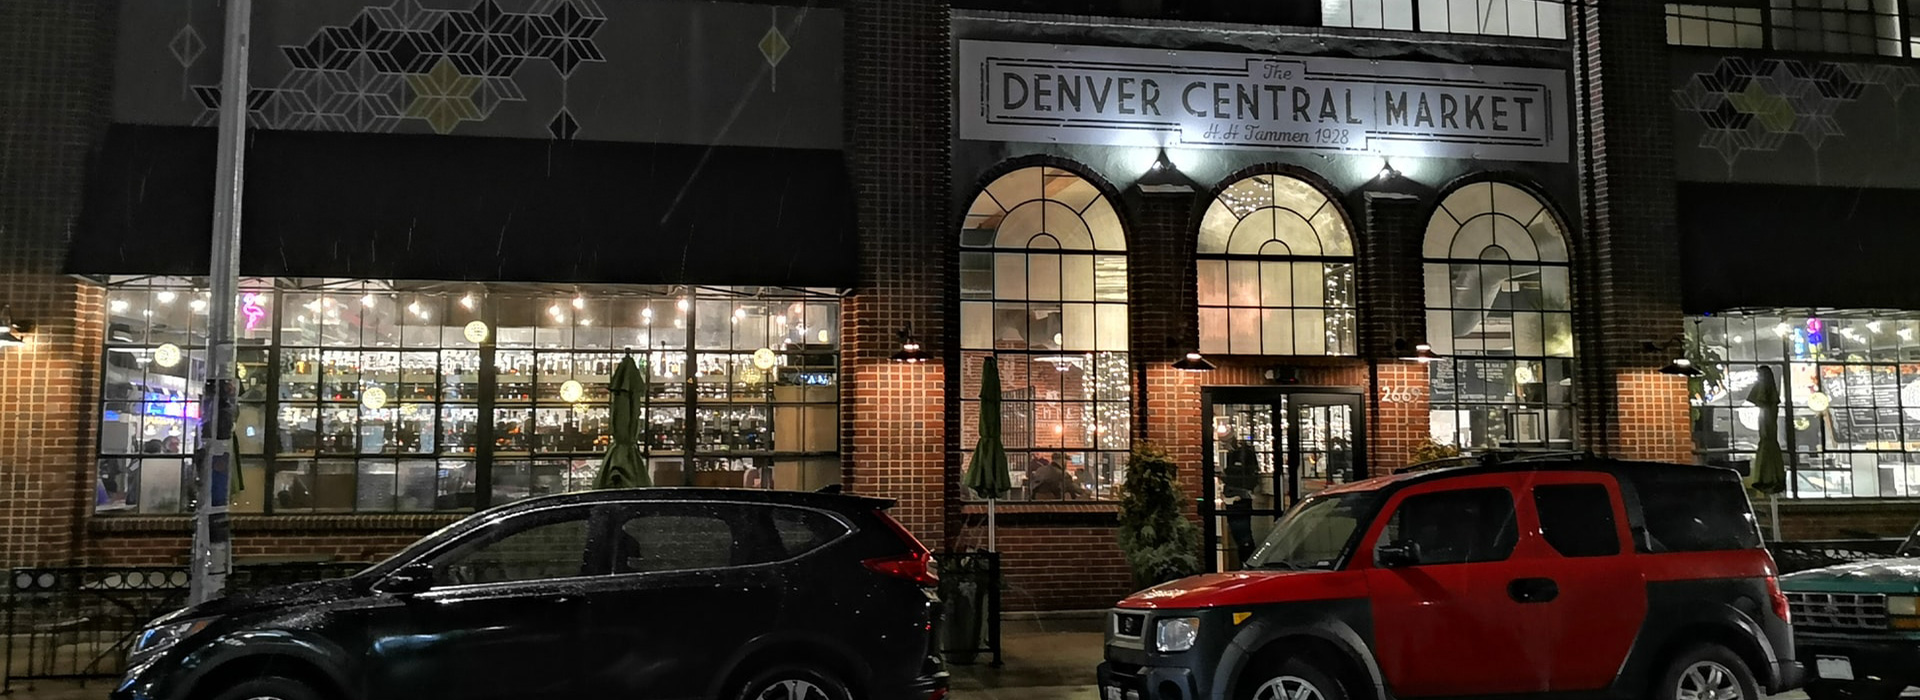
(1865, 405)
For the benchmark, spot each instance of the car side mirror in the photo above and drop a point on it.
(408, 580)
(1396, 554)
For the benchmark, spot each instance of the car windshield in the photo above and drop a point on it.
(1912, 547)
(1316, 533)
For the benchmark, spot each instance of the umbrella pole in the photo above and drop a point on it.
(1773, 514)
(992, 545)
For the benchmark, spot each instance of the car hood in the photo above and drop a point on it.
(273, 597)
(1243, 588)
(1876, 576)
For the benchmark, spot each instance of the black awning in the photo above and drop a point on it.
(1781, 246)
(324, 204)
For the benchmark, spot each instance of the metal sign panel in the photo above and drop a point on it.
(1102, 95)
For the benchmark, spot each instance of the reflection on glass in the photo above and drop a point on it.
(366, 373)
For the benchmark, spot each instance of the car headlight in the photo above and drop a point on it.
(1903, 612)
(1176, 633)
(154, 640)
(1903, 605)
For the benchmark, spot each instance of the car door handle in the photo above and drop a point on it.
(1533, 590)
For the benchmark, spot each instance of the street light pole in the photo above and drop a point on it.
(213, 464)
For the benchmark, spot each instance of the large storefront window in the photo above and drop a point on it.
(371, 396)
(1275, 271)
(1498, 311)
(1849, 394)
(1043, 288)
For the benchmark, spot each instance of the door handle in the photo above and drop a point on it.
(1533, 590)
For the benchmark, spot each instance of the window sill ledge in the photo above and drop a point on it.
(1021, 507)
(252, 523)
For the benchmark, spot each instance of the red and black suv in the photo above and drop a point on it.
(1567, 575)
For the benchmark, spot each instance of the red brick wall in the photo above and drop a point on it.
(1628, 262)
(898, 102)
(1841, 519)
(53, 98)
(1652, 416)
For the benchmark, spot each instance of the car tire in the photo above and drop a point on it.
(1844, 690)
(795, 683)
(268, 688)
(1286, 683)
(1707, 667)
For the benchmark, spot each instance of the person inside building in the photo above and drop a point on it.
(1239, 476)
(1050, 481)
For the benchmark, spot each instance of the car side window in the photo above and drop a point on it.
(532, 547)
(1456, 527)
(1577, 519)
(802, 531)
(676, 537)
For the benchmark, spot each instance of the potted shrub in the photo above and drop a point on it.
(1159, 542)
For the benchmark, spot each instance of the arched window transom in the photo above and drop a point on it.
(1275, 271)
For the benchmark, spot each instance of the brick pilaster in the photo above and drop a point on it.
(897, 120)
(53, 101)
(1629, 256)
(1161, 277)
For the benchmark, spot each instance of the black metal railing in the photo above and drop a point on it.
(76, 622)
(969, 626)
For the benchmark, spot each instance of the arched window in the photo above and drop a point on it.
(1498, 312)
(1043, 288)
(1276, 271)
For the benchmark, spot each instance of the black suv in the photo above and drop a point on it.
(646, 593)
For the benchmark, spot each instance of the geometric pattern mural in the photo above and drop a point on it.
(402, 62)
(1753, 104)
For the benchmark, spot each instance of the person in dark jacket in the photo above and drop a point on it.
(1239, 477)
(1050, 481)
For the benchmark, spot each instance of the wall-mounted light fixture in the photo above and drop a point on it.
(1164, 178)
(1193, 362)
(12, 333)
(1416, 352)
(910, 351)
(1678, 365)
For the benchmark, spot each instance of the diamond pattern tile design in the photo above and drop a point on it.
(399, 62)
(186, 46)
(774, 46)
(563, 126)
(1754, 105)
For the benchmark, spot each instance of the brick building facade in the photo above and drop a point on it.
(897, 95)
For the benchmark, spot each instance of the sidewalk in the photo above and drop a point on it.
(1045, 659)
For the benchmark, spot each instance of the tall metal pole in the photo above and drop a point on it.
(212, 552)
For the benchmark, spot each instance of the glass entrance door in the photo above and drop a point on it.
(1264, 449)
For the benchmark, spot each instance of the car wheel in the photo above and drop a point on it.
(1296, 679)
(795, 683)
(268, 688)
(1842, 690)
(1707, 672)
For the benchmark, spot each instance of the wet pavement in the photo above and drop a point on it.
(1050, 658)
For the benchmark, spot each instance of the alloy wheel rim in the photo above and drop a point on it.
(1288, 688)
(793, 689)
(1708, 680)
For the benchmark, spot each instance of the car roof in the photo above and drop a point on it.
(1626, 469)
(840, 502)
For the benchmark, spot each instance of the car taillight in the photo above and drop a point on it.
(916, 565)
(1780, 606)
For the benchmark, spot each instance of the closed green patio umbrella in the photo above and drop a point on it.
(625, 467)
(987, 471)
(1769, 465)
